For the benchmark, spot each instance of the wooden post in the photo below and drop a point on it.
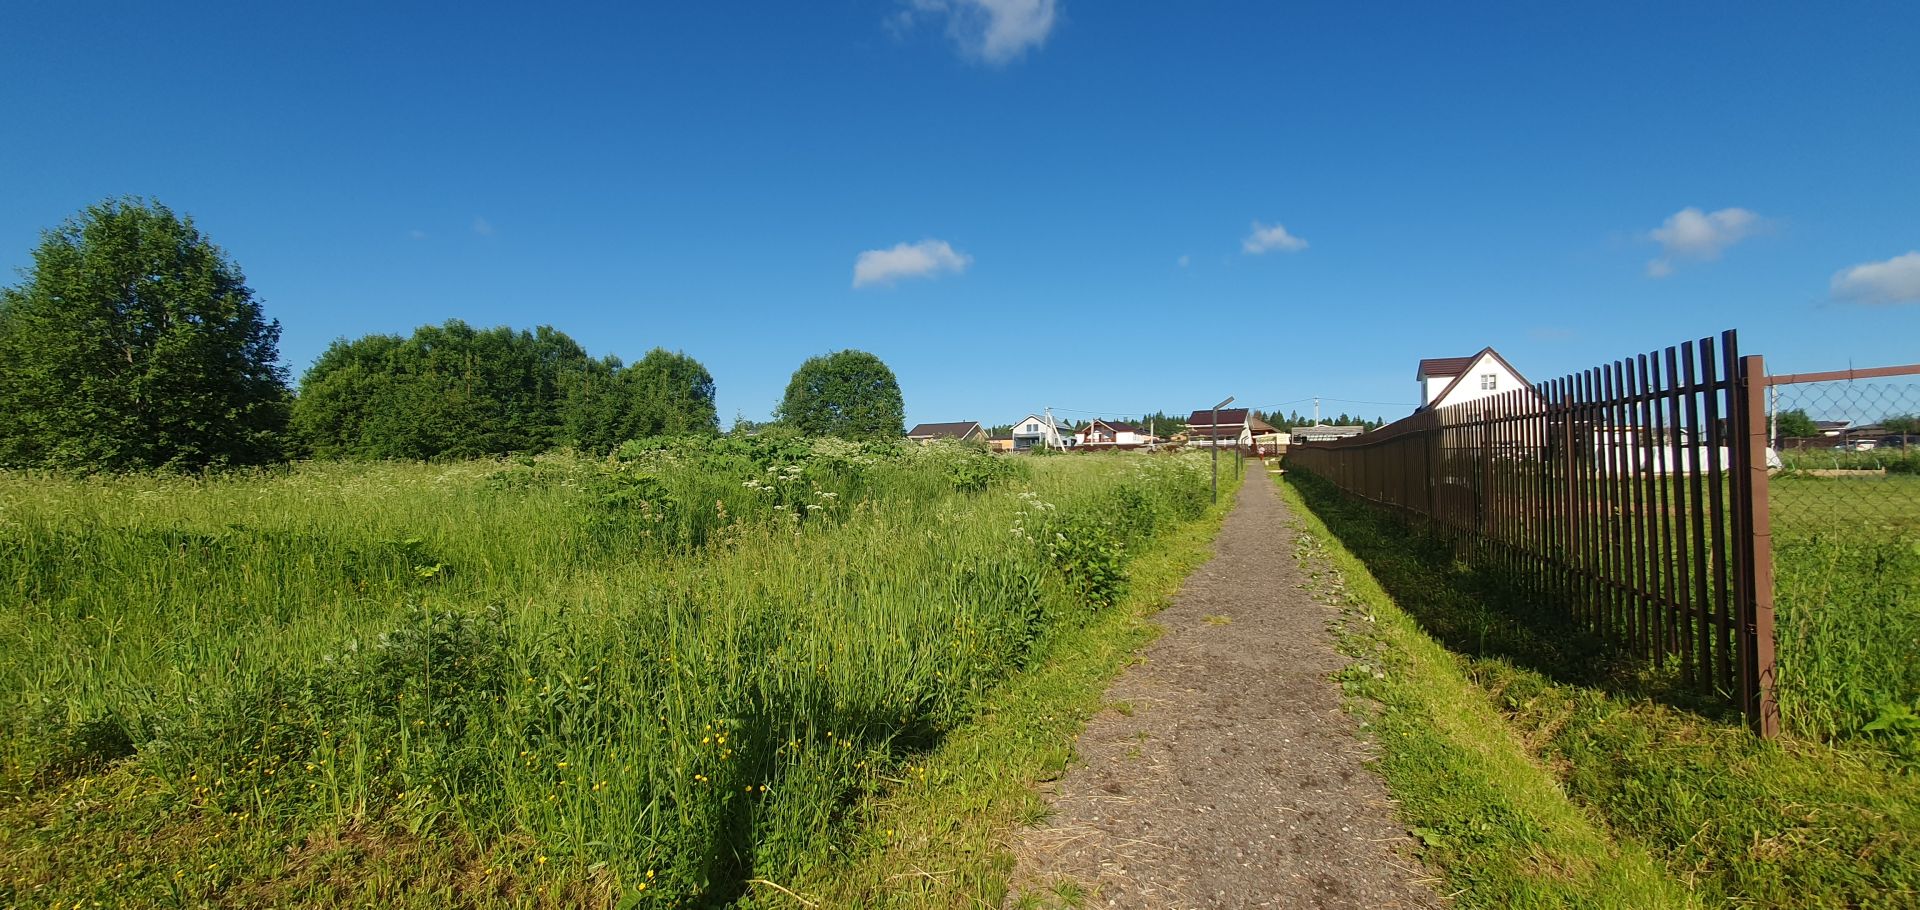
(1755, 585)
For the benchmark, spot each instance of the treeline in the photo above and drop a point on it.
(135, 343)
(1295, 419)
(455, 391)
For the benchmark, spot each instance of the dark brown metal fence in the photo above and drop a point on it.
(1634, 495)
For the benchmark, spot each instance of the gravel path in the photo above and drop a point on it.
(1226, 773)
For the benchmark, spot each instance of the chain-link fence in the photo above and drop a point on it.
(1845, 508)
(1848, 444)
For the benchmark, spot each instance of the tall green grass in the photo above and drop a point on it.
(1847, 595)
(547, 681)
(1892, 460)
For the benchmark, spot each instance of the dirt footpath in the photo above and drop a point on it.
(1226, 774)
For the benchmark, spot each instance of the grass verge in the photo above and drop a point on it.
(1546, 773)
(934, 834)
(1491, 820)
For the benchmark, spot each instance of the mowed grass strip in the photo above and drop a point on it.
(1489, 817)
(1734, 821)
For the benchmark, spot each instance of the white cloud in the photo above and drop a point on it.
(1895, 280)
(1694, 234)
(996, 31)
(483, 227)
(1185, 261)
(908, 260)
(1265, 238)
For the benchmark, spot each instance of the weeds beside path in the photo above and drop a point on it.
(1226, 772)
(1649, 804)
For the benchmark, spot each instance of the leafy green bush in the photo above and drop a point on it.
(1092, 557)
(974, 472)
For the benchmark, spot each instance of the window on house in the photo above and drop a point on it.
(1033, 428)
(1487, 381)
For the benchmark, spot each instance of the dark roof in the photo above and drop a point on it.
(959, 429)
(1444, 366)
(1229, 417)
(1118, 426)
(1833, 424)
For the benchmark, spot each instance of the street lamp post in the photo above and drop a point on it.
(1214, 435)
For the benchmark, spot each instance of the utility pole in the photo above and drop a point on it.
(1239, 456)
(1213, 436)
(1773, 416)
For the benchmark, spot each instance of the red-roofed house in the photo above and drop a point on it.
(1236, 427)
(1111, 434)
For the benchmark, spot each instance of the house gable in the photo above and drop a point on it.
(1472, 382)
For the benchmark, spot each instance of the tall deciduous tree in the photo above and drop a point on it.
(455, 391)
(135, 343)
(850, 394)
(447, 391)
(665, 394)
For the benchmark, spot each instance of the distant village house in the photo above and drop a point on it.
(962, 431)
(1039, 431)
(1447, 381)
(1112, 434)
(1237, 427)
(1321, 432)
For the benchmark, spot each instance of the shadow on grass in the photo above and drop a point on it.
(1480, 613)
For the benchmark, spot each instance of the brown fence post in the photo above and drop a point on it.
(1757, 672)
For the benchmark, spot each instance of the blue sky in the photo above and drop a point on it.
(1066, 203)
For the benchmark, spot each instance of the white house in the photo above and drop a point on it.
(1039, 430)
(1112, 434)
(1446, 381)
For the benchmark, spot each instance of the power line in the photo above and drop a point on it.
(1387, 404)
(1390, 404)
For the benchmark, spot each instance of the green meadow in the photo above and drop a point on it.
(656, 679)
